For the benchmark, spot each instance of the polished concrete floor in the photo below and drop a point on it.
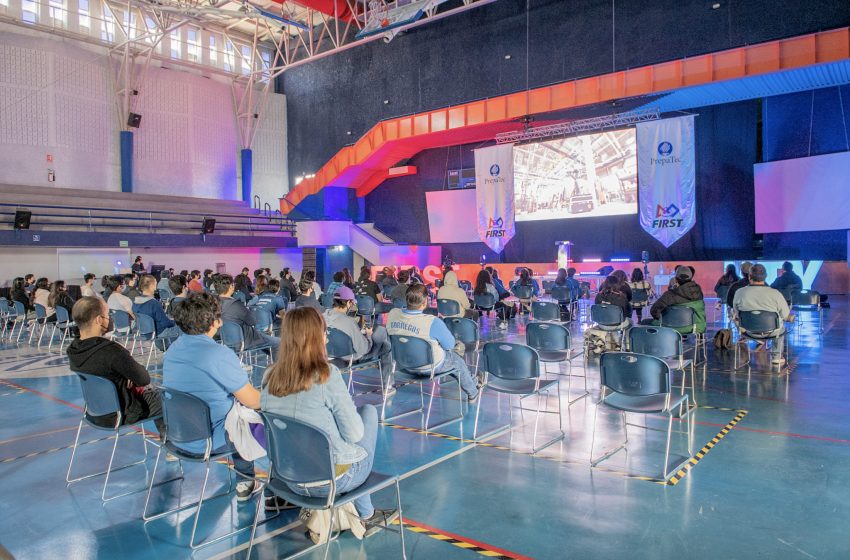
(766, 478)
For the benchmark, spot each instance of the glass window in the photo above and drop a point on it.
(213, 51)
(58, 13)
(245, 66)
(83, 19)
(150, 30)
(229, 56)
(107, 31)
(193, 44)
(29, 11)
(176, 44)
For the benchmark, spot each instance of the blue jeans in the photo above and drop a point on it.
(453, 361)
(358, 472)
(380, 349)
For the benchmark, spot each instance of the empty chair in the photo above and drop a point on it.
(807, 300)
(448, 308)
(40, 321)
(64, 324)
(340, 349)
(640, 384)
(514, 369)
(761, 326)
(545, 311)
(302, 454)
(18, 318)
(123, 327)
(566, 301)
(101, 399)
(466, 331)
(414, 364)
(666, 344)
(608, 318)
(683, 320)
(547, 285)
(553, 344)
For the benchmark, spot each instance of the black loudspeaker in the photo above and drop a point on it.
(209, 225)
(134, 120)
(22, 219)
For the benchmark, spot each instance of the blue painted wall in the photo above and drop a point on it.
(462, 58)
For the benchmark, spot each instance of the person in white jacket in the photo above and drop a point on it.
(451, 290)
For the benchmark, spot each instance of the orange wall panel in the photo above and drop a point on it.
(763, 58)
(439, 120)
(667, 76)
(563, 95)
(420, 124)
(405, 127)
(517, 105)
(457, 117)
(612, 86)
(587, 91)
(497, 109)
(799, 51)
(833, 45)
(729, 64)
(696, 70)
(638, 81)
(539, 100)
(476, 113)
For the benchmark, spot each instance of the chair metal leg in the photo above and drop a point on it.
(608, 454)
(667, 447)
(400, 520)
(52, 335)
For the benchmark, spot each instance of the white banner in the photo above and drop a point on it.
(494, 195)
(666, 178)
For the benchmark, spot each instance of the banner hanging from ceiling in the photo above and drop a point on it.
(494, 195)
(666, 178)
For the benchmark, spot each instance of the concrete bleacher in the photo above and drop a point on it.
(75, 210)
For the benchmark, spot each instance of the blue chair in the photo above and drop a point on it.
(340, 349)
(240, 295)
(484, 302)
(608, 318)
(514, 369)
(40, 319)
(448, 308)
(386, 290)
(807, 300)
(547, 285)
(553, 344)
(18, 318)
(263, 319)
(187, 420)
(640, 384)
(101, 399)
(399, 303)
(562, 295)
(683, 319)
(545, 311)
(523, 292)
(366, 308)
(123, 328)
(414, 364)
(640, 297)
(327, 300)
(8, 314)
(165, 296)
(759, 326)
(302, 454)
(64, 324)
(466, 331)
(145, 332)
(231, 336)
(666, 344)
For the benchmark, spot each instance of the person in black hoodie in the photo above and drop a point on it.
(612, 293)
(687, 293)
(96, 355)
(744, 281)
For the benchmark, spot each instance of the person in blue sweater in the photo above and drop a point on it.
(147, 305)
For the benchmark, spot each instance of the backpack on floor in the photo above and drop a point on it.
(723, 339)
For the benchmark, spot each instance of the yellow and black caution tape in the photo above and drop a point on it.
(692, 462)
(465, 543)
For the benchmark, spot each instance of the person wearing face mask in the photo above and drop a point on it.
(370, 343)
(95, 354)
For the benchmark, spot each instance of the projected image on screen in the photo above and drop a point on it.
(577, 177)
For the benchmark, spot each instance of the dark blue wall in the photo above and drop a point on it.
(800, 125)
(726, 148)
(462, 58)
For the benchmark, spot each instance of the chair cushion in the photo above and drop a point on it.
(673, 363)
(553, 355)
(517, 386)
(652, 403)
(420, 377)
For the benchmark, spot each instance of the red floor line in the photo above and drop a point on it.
(473, 542)
(40, 434)
(40, 394)
(786, 434)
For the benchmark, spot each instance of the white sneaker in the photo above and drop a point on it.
(246, 489)
(778, 360)
(503, 325)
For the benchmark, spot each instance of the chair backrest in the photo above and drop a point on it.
(165, 294)
(99, 394)
(661, 342)
(231, 336)
(298, 452)
(759, 321)
(639, 296)
(20, 310)
(411, 353)
(327, 300)
(121, 319)
(399, 303)
(548, 336)
(145, 324)
(677, 316)
(464, 330)
(636, 375)
(62, 315)
(387, 289)
(365, 305)
(339, 344)
(805, 298)
(560, 293)
(545, 311)
(511, 361)
(40, 311)
(187, 417)
(523, 292)
(606, 314)
(547, 285)
(722, 293)
(448, 307)
(263, 319)
(485, 301)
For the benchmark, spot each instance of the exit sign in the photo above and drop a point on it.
(123, 244)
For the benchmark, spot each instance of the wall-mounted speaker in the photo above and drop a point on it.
(22, 219)
(134, 120)
(209, 225)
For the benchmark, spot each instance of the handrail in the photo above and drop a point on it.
(267, 209)
(134, 226)
(90, 209)
(256, 200)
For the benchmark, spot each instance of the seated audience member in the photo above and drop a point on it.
(624, 284)
(260, 287)
(497, 283)
(163, 281)
(484, 285)
(399, 292)
(138, 267)
(388, 277)
(452, 290)
(196, 364)
(338, 277)
(306, 298)
(365, 286)
(287, 285)
(59, 297)
(94, 354)
(88, 289)
(415, 276)
(116, 300)
(234, 311)
(687, 293)
(788, 282)
(271, 299)
(195, 284)
(730, 276)
(639, 283)
(19, 293)
(612, 293)
(411, 321)
(303, 385)
(526, 279)
(758, 296)
(29, 284)
(257, 274)
(347, 279)
(146, 304)
(242, 284)
(744, 281)
(372, 343)
(41, 296)
(207, 279)
(130, 289)
(185, 274)
(317, 289)
(180, 288)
